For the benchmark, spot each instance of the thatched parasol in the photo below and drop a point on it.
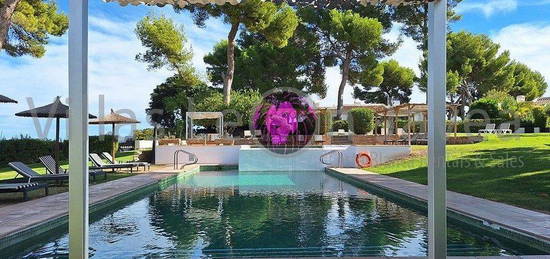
(55, 110)
(114, 118)
(4, 99)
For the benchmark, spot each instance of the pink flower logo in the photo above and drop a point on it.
(281, 121)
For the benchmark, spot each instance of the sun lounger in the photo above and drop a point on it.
(49, 164)
(489, 128)
(32, 176)
(22, 187)
(110, 159)
(99, 164)
(504, 128)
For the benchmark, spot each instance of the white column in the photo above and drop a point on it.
(437, 77)
(186, 126)
(78, 129)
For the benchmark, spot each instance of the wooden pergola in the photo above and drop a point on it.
(408, 110)
(78, 118)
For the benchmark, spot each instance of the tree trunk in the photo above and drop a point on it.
(228, 80)
(6, 13)
(345, 75)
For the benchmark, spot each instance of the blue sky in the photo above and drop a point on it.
(521, 26)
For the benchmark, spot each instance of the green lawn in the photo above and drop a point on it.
(8, 173)
(512, 169)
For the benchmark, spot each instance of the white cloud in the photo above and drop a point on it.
(527, 43)
(113, 72)
(488, 7)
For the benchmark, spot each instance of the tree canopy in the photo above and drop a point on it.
(275, 22)
(25, 26)
(474, 66)
(527, 82)
(166, 45)
(262, 66)
(395, 82)
(414, 20)
(238, 112)
(350, 41)
(171, 99)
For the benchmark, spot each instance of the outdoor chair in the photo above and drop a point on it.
(489, 128)
(504, 128)
(32, 176)
(99, 164)
(22, 187)
(146, 166)
(247, 134)
(49, 164)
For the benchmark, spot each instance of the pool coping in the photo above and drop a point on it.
(22, 221)
(514, 223)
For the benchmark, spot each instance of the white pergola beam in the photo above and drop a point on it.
(78, 129)
(437, 178)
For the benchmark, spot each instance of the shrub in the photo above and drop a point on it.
(507, 104)
(144, 134)
(340, 124)
(325, 121)
(490, 106)
(362, 120)
(103, 143)
(539, 117)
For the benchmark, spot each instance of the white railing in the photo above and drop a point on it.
(339, 154)
(192, 157)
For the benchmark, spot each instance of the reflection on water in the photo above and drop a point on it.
(216, 214)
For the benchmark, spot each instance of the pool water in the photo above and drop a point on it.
(227, 213)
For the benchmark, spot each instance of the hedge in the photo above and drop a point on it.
(27, 150)
(340, 124)
(361, 120)
(104, 143)
(325, 122)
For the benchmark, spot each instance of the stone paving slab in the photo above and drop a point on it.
(21, 216)
(533, 223)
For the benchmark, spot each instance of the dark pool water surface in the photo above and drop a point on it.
(227, 213)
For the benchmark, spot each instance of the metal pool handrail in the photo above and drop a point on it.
(191, 155)
(340, 157)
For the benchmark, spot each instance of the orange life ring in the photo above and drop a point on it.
(363, 164)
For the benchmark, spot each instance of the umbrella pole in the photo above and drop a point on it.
(56, 147)
(113, 147)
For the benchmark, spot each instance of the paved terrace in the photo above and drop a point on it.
(524, 221)
(22, 216)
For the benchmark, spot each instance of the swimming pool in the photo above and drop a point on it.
(227, 213)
